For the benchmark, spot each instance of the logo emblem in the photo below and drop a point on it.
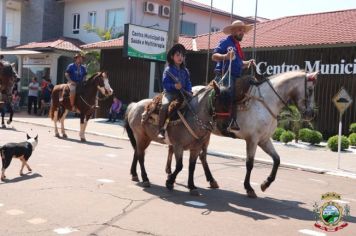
(331, 214)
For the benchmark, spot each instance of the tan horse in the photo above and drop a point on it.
(84, 102)
(260, 120)
(200, 118)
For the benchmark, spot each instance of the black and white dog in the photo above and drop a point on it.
(21, 150)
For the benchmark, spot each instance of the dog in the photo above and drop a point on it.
(21, 151)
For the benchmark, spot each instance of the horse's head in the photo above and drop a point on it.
(304, 98)
(103, 84)
(8, 76)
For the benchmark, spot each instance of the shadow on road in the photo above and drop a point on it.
(22, 178)
(92, 143)
(218, 200)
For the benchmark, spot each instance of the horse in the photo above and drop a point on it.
(259, 121)
(8, 77)
(190, 136)
(85, 100)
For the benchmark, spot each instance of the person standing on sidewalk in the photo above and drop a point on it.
(33, 89)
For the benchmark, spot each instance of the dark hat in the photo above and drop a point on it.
(176, 48)
(78, 55)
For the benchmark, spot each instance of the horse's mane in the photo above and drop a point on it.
(284, 73)
(93, 76)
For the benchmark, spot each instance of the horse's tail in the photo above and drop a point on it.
(54, 101)
(128, 128)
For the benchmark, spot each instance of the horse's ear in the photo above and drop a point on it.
(216, 87)
(28, 136)
(312, 76)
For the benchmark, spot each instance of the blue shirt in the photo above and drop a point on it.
(236, 64)
(181, 74)
(77, 74)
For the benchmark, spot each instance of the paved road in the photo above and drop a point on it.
(85, 189)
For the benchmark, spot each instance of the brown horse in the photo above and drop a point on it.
(259, 121)
(199, 117)
(84, 101)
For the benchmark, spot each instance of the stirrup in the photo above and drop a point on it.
(233, 125)
(161, 134)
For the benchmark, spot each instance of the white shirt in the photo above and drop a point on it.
(34, 90)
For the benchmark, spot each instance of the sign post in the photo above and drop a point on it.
(342, 101)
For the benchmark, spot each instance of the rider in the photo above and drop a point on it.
(229, 48)
(175, 81)
(75, 73)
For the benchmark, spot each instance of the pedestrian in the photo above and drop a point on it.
(230, 49)
(176, 80)
(33, 89)
(46, 96)
(115, 110)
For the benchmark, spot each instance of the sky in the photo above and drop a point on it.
(273, 9)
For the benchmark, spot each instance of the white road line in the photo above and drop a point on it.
(252, 183)
(36, 221)
(105, 180)
(1, 205)
(196, 203)
(341, 201)
(111, 155)
(15, 212)
(66, 230)
(311, 232)
(318, 180)
(350, 199)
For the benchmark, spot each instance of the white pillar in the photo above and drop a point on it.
(2, 23)
(54, 68)
(151, 92)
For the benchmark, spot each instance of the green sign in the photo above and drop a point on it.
(146, 43)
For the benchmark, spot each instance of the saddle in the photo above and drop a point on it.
(244, 87)
(151, 110)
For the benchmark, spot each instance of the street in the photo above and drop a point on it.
(86, 189)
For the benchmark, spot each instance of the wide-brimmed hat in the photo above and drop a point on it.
(237, 24)
(78, 55)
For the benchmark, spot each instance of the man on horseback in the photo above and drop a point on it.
(229, 50)
(176, 82)
(75, 74)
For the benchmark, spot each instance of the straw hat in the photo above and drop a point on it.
(237, 24)
(78, 55)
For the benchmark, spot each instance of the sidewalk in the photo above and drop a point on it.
(305, 157)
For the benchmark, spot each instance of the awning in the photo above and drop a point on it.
(19, 52)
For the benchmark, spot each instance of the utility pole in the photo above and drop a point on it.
(174, 29)
(3, 37)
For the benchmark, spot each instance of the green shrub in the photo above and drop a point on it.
(332, 143)
(277, 133)
(315, 137)
(304, 134)
(287, 136)
(352, 139)
(353, 128)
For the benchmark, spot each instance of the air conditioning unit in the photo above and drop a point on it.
(164, 11)
(151, 8)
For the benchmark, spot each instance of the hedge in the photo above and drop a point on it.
(333, 143)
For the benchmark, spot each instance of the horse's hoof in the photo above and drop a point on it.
(264, 186)
(146, 184)
(135, 178)
(83, 140)
(251, 194)
(21, 174)
(214, 184)
(169, 185)
(57, 136)
(194, 192)
(3, 178)
(9, 122)
(3, 126)
(29, 170)
(64, 136)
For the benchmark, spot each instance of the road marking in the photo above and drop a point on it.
(36, 221)
(1, 204)
(111, 155)
(196, 203)
(252, 183)
(318, 180)
(311, 232)
(341, 201)
(105, 180)
(350, 199)
(66, 230)
(15, 212)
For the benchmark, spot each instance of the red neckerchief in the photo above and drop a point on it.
(239, 50)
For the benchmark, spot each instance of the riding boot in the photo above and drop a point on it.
(161, 121)
(233, 123)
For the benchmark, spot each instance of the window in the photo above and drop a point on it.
(92, 19)
(115, 21)
(76, 23)
(215, 29)
(188, 28)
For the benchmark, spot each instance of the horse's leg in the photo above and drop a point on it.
(269, 149)
(134, 176)
(192, 163)
(208, 175)
(86, 119)
(3, 118)
(55, 120)
(11, 111)
(169, 160)
(140, 153)
(64, 135)
(251, 151)
(178, 153)
(82, 125)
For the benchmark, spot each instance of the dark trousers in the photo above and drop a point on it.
(113, 116)
(32, 100)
